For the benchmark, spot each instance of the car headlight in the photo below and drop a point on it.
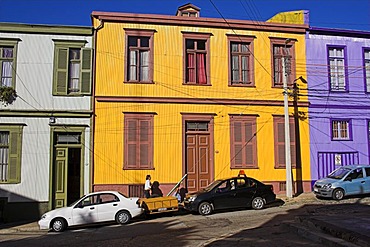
(192, 198)
(326, 186)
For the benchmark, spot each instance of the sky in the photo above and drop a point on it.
(341, 14)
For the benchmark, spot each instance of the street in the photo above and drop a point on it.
(245, 227)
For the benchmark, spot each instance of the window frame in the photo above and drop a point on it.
(14, 153)
(61, 88)
(243, 119)
(291, 45)
(9, 42)
(278, 120)
(345, 62)
(197, 37)
(348, 130)
(366, 71)
(241, 39)
(140, 33)
(138, 117)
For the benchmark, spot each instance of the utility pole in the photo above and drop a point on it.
(288, 161)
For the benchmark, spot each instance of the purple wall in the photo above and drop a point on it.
(353, 104)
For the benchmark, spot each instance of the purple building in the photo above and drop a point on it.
(338, 75)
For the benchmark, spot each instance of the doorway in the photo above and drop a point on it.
(198, 156)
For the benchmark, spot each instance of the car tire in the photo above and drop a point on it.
(58, 225)
(258, 203)
(205, 208)
(338, 194)
(123, 217)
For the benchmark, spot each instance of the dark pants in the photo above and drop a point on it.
(147, 193)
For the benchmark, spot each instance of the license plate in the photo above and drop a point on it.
(162, 209)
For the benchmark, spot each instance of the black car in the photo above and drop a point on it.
(236, 192)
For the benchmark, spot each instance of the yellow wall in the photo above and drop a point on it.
(168, 78)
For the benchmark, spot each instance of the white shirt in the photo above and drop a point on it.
(147, 185)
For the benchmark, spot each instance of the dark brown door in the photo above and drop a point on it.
(198, 161)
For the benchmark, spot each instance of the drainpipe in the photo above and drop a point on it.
(92, 159)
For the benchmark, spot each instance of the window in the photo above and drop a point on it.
(283, 61)
(279, 136)
(241, 60)
(340, 130)
(139, 58)
(8, 50)
(10, 153)
(138, 138)
(367, 172)
(196, 55)
(72, 68)
(243, 142)
(337, 68)
(367, 69)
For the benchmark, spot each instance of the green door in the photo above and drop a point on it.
(60, 178)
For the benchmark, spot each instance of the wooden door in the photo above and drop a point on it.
(60, 177)
(198, 161)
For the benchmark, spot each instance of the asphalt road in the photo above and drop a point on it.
(246, 227)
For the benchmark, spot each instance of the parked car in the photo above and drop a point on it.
(92, 208)
(235, 192)
(344, 181)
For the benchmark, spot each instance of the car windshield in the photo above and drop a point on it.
(211, 186)
(339, 173)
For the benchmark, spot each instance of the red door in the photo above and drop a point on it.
(198, 161)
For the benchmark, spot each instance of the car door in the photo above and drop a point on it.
(246, 189)
(225, 195)
(367, 179)
(85, 211)
(355, 182)
(108, 205)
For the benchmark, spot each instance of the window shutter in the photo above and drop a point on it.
(131, 154)
(86, 65)
(61, 71)
(144, 144)
(238, 145)
(293, 156)
(249, 159)
(15, 147)
(280, 144)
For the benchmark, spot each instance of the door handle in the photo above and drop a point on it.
(115, 204)
(362, 182)
(92, 208)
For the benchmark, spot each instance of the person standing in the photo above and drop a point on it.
(147, 186)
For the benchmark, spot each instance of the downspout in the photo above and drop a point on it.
(92, 158)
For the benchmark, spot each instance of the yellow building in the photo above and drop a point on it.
(183, 94)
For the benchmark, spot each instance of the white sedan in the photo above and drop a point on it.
(92, 208)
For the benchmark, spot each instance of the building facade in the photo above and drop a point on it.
(45, 132)
(338, 70)
(176, 95)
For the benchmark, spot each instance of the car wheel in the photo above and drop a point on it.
(205, 208)
(123, 217)
(258, 203)
(58, 225)
(338, 194)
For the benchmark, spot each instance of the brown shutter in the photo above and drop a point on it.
(144, 144)
(237, 145)
(131, 154)
(280, 144)
(249, 152)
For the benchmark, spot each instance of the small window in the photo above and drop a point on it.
(10, 154)
(8, 58)
(139, 56)
(340, 130)
(72, 68)
(197, 126)
(367, 69)
(337, 68)
(68, 138)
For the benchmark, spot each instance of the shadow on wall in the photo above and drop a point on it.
(19, 208)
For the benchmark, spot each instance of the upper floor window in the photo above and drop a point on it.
(138, 139)
(241, 60)
(243, 141)
(279, 136)
(337, 68)
(196, 59)
(139, 58)
(10, 153)
(367, 69)
(8, 48)
(340, 130)
(72, 68)
(283, 61)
